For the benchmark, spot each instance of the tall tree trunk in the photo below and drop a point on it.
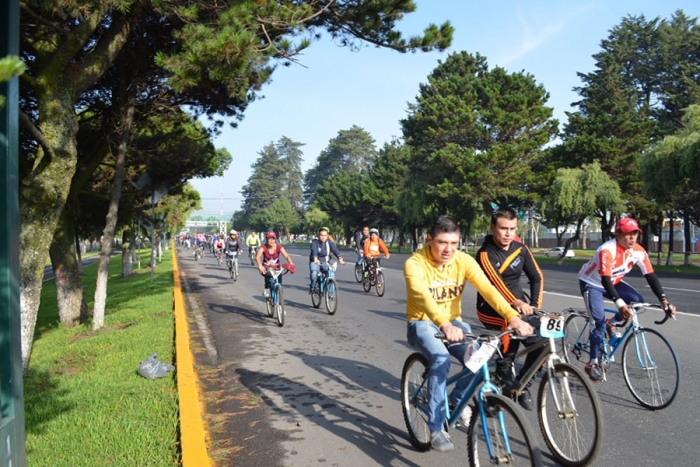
(98, 318)
(669, 257)
(64, 261)
(79, 255)
(687, 237)
(661, 238)
(127, 252)
(42, 199)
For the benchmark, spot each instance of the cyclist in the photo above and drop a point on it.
(253, 241)
(232, 244)
(435, 280)
(219, 246)
(360, 237)
(372, 248)
(321, 249)
(504, 259)
(268, 257)
(601, 277)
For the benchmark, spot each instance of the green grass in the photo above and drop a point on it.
(84, 402)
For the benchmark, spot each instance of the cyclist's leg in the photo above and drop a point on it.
(531, 357)
(458, 352)
(628, 293)
(421, 335)
(593, 299)
(314, 269)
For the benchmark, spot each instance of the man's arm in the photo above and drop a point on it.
(534, 275)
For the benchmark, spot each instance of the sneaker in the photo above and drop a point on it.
(266, 293)
(465, 417)
(525, 400)
(440, 441)
(593, 372)
(616, 321)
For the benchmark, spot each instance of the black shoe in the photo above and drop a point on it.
(525, 400)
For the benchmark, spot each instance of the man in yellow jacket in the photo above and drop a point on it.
(435, 280)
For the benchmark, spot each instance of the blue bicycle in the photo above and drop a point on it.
(274, 302)
(497, 434)
(326, 288)
(649, 362)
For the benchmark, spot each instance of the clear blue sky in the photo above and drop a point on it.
(335, 88)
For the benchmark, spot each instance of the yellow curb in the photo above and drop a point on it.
(193, 434)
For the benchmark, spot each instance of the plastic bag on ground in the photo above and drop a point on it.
(153, 368)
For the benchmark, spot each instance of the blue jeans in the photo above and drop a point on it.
(421, 336)
(315, 270)
(593, 298)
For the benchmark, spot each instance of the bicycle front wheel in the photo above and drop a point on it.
(279, 305)
(331, 297)
(651, 368)
(414, 400)
(366, 283)
(575, 346)
(573, 429)
(511, 439)
(235, 271)
(381, 286)
(358, 272)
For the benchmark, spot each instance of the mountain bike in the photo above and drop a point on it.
(274, 302)
(326, 288)
(497, 434)
(251, 255)
(232, 264)
(374, 277)
(649, 363)
(568, 408)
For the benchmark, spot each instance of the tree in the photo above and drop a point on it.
(474, 134)
(342, 197)
(216, 55)
(580, 193)
(290, 157)
(279, 216)
(670, 171)
(350, 151)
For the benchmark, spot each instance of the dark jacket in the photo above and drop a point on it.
(323, 251)
(360, 240)
(504, 269)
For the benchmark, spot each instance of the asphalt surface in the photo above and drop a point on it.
(324, 390)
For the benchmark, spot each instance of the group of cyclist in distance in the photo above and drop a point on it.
(437, 274)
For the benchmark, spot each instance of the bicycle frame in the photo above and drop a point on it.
(273, 280)
(324, 275)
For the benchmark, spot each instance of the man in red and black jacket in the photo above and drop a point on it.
(504, 260)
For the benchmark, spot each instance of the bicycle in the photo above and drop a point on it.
(251, 254)
(197, 252)
(374, 277)
(274, 302)
(359, 270)
(572, 421)
(497, 433)
(326, 288)
(232, 264)
(219, 256)
(649, 363)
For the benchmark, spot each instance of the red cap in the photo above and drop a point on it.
(271, 234)
(627, 225)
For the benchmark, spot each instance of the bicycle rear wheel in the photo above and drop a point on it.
(575, 346)
(331, 297)
(279, 305)
(414, 400)
(651, 368)
(520, 437)
(574, 433)
(381, 286)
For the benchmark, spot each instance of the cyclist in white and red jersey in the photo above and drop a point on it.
(601, 277)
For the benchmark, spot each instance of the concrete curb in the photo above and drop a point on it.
(193, 434)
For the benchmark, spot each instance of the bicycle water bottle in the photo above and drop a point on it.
(615, 339)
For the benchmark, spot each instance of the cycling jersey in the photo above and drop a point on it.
(612, 260)
(252, 240)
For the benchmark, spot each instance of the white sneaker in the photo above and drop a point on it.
(266, 293)
(440, 441)
(465, 417)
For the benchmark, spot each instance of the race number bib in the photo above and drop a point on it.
(552, 326)
(481, 356)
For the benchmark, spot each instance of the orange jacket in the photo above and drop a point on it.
(372, 248)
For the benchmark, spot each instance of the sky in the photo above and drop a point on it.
(334, 88)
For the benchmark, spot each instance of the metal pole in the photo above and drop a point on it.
(153, 234)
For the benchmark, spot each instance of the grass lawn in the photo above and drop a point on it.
(85, 405)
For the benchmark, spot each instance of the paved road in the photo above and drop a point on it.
(324, 390)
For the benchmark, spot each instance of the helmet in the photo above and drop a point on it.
(271, 234)
(371, 231)
(232, 232)
(324, 228)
